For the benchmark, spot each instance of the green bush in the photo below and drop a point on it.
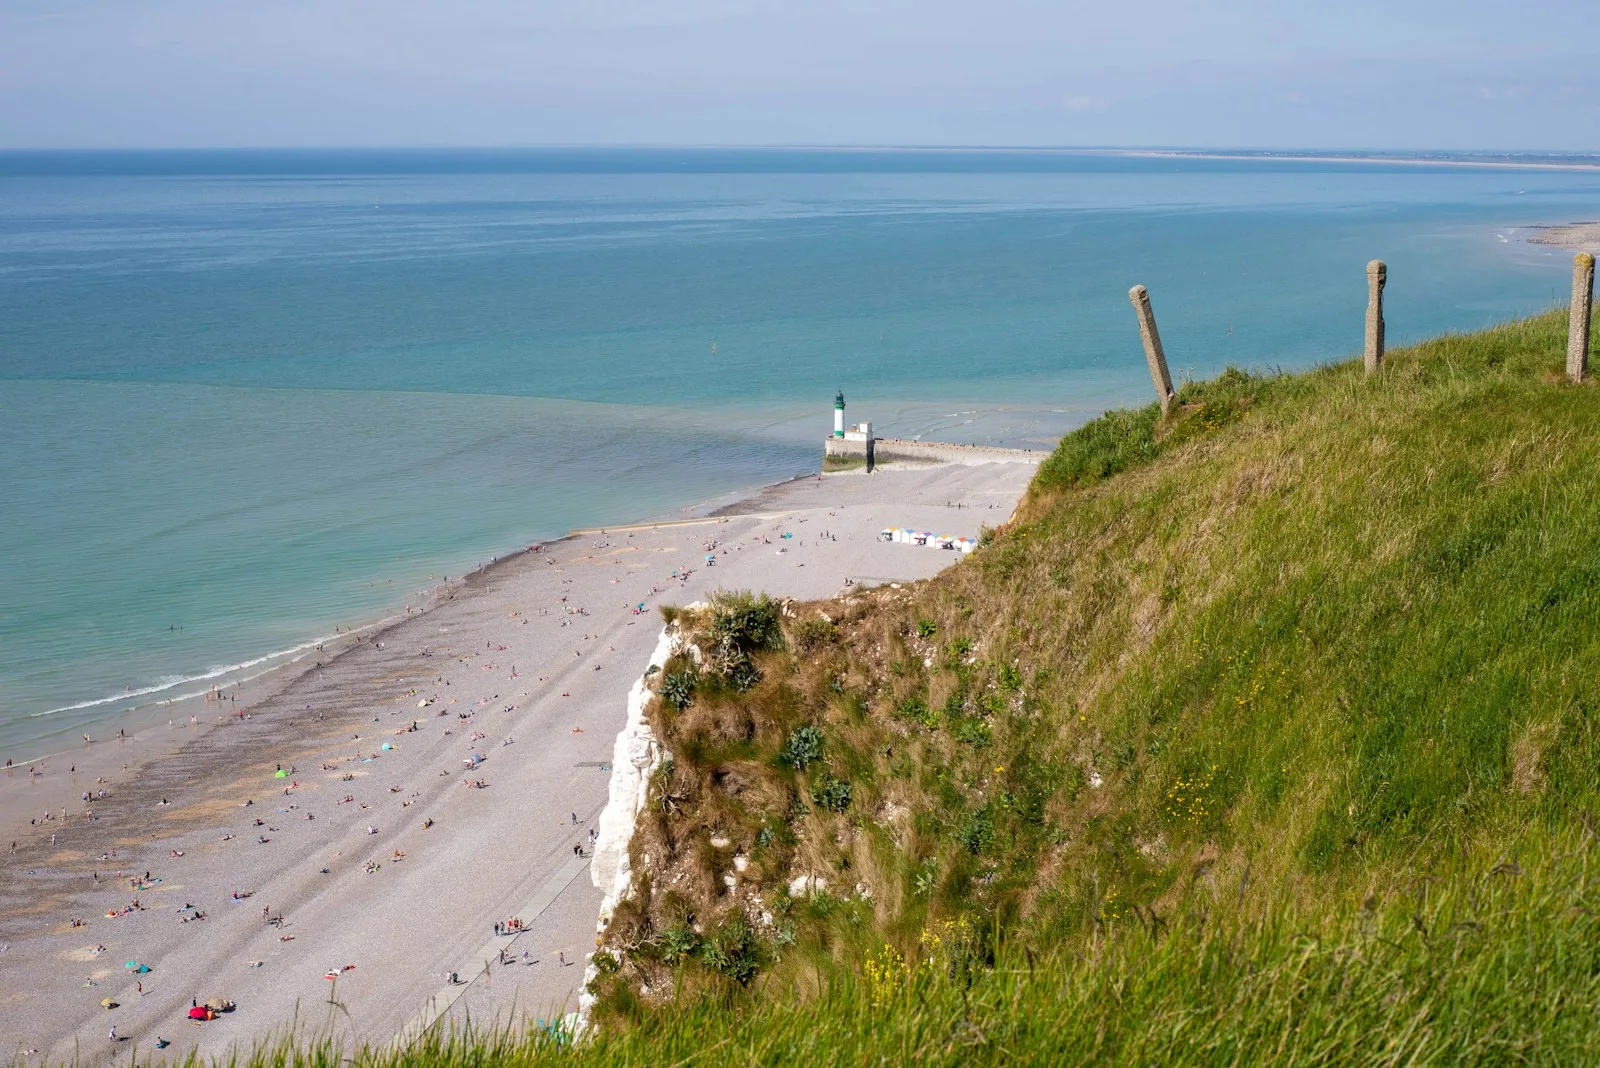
(677, 689)
(830, 793)
(1102, 447)
(1123, 439)
(804, 747)
(676, 943)
(741, 620)
(734, 951)
(971, 730)
(976, 830)
(741, 624)
(916, 710)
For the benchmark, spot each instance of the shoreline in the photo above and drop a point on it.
(146, 743)
(256, 689)
(265, 684)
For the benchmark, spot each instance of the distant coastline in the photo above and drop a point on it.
(1584, 236)
(622, 158)
(1579, 161)
(1498, 161)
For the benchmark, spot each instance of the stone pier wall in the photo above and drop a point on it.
(903, 451)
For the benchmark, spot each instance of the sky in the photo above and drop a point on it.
(1323, 74)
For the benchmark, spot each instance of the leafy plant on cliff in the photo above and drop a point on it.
(803, 748)
(677, 689)
(830, 793)
(741, 624)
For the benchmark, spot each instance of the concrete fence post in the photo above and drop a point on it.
(1153, 353)
(1377, 278)
(1578, 317)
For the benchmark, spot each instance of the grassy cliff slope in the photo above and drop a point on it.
(1265, 733)
(1278, 715)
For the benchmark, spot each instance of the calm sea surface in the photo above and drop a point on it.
(248, 396)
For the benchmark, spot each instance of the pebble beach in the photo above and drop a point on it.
(399, 836)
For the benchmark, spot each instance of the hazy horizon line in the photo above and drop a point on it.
(1141, 149)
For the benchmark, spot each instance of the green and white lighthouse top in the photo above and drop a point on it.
(838, 402)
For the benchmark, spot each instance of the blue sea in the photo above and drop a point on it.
(250, 397)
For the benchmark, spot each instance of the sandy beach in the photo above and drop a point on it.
(331, 851)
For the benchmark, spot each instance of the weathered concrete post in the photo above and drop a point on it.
(1377, 278)
(1578, 318)
(1153, 353)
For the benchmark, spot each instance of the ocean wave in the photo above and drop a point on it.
(173, 681)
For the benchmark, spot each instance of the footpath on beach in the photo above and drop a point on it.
(400, 838)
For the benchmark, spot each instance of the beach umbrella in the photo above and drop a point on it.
(280, 774)
(387, 746)
(108, 1003)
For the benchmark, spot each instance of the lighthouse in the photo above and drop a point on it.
(838, 415)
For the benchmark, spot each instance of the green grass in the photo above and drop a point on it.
(1494, 964)
(1498, 964)
(1326, 630)
(1267, 732)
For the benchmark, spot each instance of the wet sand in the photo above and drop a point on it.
(527, 662)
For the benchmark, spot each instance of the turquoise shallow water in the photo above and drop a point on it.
(253, 396)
